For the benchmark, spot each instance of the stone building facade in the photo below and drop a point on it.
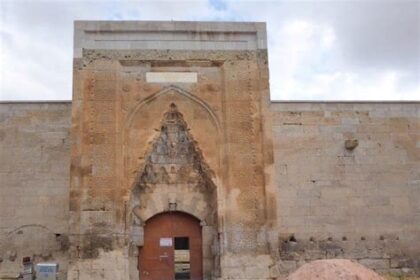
(175, 117)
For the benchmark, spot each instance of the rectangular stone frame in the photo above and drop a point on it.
(101, 99)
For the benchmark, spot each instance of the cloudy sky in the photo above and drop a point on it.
(318, 50)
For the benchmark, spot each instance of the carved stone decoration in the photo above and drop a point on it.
(175, 177)
(175, 157)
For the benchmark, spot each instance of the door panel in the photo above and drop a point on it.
(157, 257)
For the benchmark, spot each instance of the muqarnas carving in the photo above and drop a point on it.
(175, 157)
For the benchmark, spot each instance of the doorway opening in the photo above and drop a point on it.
(182, 258)
(172, 248)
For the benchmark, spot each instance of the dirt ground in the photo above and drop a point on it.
(336, 269)
(340, 269)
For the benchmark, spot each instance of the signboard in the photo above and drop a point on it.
(46, 271)
(165, 242)
(27, 269)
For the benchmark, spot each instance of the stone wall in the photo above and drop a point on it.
(348, 180)
(359, 203)
(176, 116)
(34, 183)
(127, 76)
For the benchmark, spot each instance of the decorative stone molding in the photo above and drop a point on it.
(175, 177)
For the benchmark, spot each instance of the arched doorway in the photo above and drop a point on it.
(172, 248)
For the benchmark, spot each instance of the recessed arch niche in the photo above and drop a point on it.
(171, 161)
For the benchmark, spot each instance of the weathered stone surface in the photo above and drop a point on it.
(34, 183)
(357, 204)
(183, 128)
(205, 147)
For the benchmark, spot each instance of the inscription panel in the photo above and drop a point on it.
(171, 77)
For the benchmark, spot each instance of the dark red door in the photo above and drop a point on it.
(172, 248)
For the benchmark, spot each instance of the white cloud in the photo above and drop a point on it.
(307, 64)
(308, 70)
(298, 50)
(317, 50)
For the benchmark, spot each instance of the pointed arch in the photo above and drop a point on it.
(181, 92)
(149, 195)
(173, 158)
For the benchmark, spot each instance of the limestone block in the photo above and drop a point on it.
(375, 263)
(97, 221)
(137, 235)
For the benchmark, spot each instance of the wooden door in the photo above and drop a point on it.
(172, 248)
